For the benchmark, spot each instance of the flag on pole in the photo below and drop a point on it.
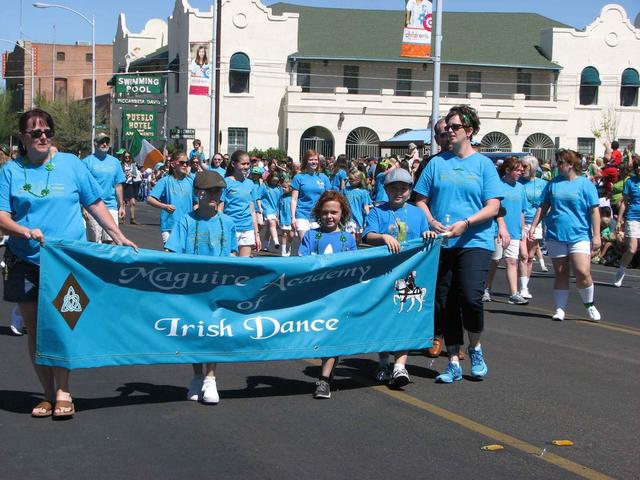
(143, 152)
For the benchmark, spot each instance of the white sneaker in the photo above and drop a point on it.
(524, 293)
(594, 314)
(619, 278)
(543, 267)
(195, 389)
(17, 322)
(486, 296)
(559, 315)
(210, 391)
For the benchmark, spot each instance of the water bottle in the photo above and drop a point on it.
(447, 224)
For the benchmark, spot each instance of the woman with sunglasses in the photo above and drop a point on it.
(569, 205)
(460, 192)
(131, 185)
(40, 198)
(173, 194)
(629, 219)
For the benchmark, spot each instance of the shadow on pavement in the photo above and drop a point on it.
(517, 313)
(19, 402)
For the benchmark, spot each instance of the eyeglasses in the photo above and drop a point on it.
(37, 132)
(183, 163)
(454, 126)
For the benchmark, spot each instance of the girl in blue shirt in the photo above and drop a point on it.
(629, 219)
(339, 178)
(379, 193)
(359, 202)
(270, 199)
(570, 208)
(284, 217)
(332, 213)
(238, 202)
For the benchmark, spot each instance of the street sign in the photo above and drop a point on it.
(128, 85)
(143, 122)
(140, 101)
(181, 133)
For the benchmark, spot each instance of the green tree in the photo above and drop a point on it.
(8, 119)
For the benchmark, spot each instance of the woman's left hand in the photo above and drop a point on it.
(457, 229)
(35, 234)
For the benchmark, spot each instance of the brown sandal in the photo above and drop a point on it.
(64, 409)
(45, 405)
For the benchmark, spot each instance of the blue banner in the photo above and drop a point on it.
(103, 305)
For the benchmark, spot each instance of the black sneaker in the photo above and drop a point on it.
(399, 378)
(323, 390)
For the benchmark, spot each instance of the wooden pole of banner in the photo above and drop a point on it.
(435, 101)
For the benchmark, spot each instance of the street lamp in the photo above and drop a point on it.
(91, 22)
(32, 67)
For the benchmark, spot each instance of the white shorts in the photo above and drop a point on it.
(165, 236)
(260, 218)
(512, 250)
(558, 249)
(285, 228)
(246, 238)
(632, 229)
(537, 233)
(95, 233)
(304, 224)
(271, 216)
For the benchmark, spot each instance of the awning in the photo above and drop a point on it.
(630, 78)
(240, 63)
(590, 77)
(420, 137)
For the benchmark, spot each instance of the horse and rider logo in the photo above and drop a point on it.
(71, 301)
(407, 292)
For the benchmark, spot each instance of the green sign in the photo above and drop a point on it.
(130, 85)
(143, 122)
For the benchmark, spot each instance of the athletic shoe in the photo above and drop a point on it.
(383, 374)
(323, 389)
(594, 314)
(195, 389)
(517, 299)
(210, 391)
(277, 246)
(452, 373)
(399, 378)
(478, 367)
(486, 296)
(559, 315)
(524, 293)
(543, 267)
(619, 278)
(17, 322)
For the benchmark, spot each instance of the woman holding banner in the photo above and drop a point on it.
(40, 198)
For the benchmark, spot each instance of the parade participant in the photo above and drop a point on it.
(238, 202)
(510, 243)
(270, 199)
(332, 213)
(197, 152)
(40, 199)
(173, 194)
(390, 224)
(307, 186)
(205, 231)
(460, 193)
(107, 170)
(217, 164)
(570, 205)
(256, 175)
(629, 219)
(359, 202)
(131, 185)
(379, 192)
(284, 216)
(339, 173)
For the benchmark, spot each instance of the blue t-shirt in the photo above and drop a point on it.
(108, 172)
(58, 214)
(381, 193)
(408, 218)
(533, 189)
(215, 237)
(196, 154)
(459, 187)
(219, 170)
(237, 198)
(260, 189)
(178, 193)
(270, 199)
(284, 207)
(309, 188)
(632, 191)
(315, 242)
(569, 217)
(337, 180)
(358, 198)
(514, 201)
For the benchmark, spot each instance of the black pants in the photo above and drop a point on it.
(462, 273)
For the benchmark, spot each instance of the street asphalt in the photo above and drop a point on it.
(573, 380)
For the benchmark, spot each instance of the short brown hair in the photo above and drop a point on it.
(571, 157)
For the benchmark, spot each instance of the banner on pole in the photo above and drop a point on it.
(102, 305)
(199, 68)
(416, 38)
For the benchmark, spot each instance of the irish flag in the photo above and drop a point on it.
(144, 153)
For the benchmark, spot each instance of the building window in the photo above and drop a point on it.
(474, 82)
(239, 73)
(86, 88)
(629, 88)
(351, 78)
(403, 82)
(589, 83)
(88, 57)
(453, 85)
(586, 146)
(523, 83)
(304, 76)
(60, 56)
(61, 88)
(237, 139)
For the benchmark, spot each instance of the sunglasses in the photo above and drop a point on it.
(454, 126)
(183, 163)
(37, 132)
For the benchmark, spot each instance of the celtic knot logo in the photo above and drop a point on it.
(71, 301)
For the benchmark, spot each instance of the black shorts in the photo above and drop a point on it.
(131, 190)
(21, 279)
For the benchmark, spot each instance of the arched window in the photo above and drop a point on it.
(495, 142)
(589, 83)
(540, 146)
(239, 72)
(362, 142)
(317, 138)
(629, 88)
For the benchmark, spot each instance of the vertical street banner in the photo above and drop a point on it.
(416, 38)
(103, 305)
(199, 68)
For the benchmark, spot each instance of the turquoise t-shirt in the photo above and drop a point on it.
(58, 214)
(108, 172)
(215, 237)
(270, 199)
(337, 180)
(178, 193)
(381, 193)
(315, 242)
(460, 187)
(309, 188)
(533, 189)
(237, 198)
(408, 218)
(514, 201)
(569, 217)
(285, 210)
(260, 189)
(632, 191)
(220, 170)
(358, 198)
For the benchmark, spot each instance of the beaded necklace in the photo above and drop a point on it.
(342, 238)
(196, 238)
(49, 167)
